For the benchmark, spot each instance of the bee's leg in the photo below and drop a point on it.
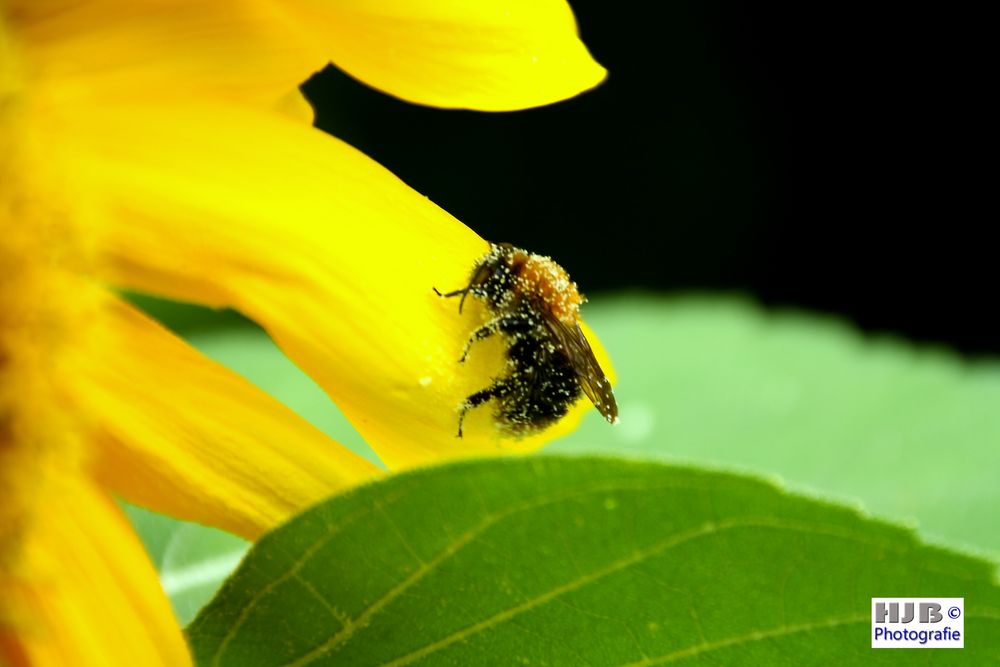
(498, 388)
(505, 323)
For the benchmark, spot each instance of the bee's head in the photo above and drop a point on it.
(493, 277)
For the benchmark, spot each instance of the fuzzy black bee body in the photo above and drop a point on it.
(534, 306)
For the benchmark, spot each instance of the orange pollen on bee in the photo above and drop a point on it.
(550, 283)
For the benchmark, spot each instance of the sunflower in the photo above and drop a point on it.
(163, 147)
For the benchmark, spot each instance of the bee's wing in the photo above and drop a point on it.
(595, 384)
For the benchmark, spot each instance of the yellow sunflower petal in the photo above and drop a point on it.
(333, 255)
(91, 52)
(486, 54)
(185, 436)
(83, 591)
(294, 105)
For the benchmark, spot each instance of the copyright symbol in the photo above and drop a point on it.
(954, 612)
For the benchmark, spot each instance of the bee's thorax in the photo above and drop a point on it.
(546, 283)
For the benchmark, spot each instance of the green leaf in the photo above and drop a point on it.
(581, 562)
(184, 318)
(192, 560)
(911, 431)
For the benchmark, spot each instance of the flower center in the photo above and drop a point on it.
(42, 314)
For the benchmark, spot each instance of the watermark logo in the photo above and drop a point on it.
(918, 622)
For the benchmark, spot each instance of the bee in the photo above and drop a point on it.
(535, 307)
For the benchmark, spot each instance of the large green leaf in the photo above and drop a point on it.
(581, 562)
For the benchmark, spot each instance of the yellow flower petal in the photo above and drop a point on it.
(83, 591)
(294, 105)
(185, 436)
(486, 54)
(333, 255)
(95, 51)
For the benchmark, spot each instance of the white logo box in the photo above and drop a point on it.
(918, 622)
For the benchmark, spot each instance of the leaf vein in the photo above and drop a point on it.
(488, 521)
(292, 571)
(616, 566)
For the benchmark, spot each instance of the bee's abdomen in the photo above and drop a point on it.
(544, 381)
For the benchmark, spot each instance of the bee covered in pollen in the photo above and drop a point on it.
(535, 307)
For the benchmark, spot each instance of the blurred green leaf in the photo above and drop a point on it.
(185, 318)
(192, 560)
(913, 432)
(572, 562)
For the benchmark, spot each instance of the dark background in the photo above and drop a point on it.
(823, 156)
